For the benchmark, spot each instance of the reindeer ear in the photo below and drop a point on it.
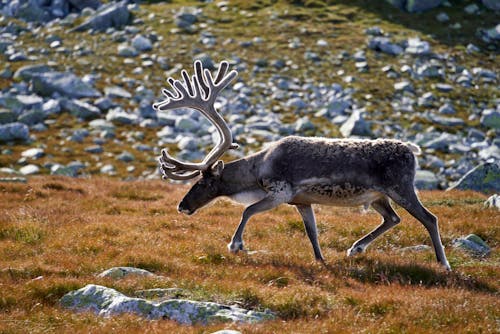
(217, 168)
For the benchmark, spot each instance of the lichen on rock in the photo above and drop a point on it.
(106, 302)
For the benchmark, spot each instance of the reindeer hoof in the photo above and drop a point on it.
(235, 246)
(355, 250)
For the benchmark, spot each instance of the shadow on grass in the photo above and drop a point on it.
(380, 272)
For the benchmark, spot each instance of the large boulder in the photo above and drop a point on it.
(14, 131)
(114, 15)
(81, 109)
(25, 73)
(106, 302)
(484, 178)
(414, 6)
(64, 83)
(492, 4)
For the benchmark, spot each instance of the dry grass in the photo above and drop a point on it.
(57, 233)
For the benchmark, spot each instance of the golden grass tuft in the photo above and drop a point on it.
(57, 233)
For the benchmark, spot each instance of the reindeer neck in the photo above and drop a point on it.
(237, 176)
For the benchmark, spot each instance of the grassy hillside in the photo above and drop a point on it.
(56, 234)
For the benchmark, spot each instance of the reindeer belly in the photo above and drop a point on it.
(327, 193)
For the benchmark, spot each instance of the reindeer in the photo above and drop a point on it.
(300, 171)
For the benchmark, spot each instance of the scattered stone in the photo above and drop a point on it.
(25, 73)
(125, 50)
(416, 248)
(492, 4)
(106, 302)
(121, 272)
(108, 169)
(356, 125)
(471, 9)
(447, 109)
(403, 86)
(426, 180)
(141, 43)
(111, 15)
(493, 202)
(33, 153)
(415, 6)
(64, 83)
(119, 115)
(61, 170)
(483, 178)
(14, 131)
(490, 118)
(385, 45)
(445, 88)
(31, 117)
(7, 116)
(116, 92)
(51, 107)
(125, 157)
(29, 169)
(418, 47)
(473, 245)
(81, 109)
(442, 17)
(94, 149)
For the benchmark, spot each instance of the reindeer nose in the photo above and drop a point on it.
(182, 208)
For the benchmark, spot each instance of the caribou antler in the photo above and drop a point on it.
(198, 92)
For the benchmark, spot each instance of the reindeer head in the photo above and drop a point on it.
(198, 92)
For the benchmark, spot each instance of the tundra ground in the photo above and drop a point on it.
(56, 234)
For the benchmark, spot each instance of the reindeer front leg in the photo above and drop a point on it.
(278, 193)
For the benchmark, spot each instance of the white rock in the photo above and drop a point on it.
(29, 169)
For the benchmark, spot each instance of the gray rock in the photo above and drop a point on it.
(125, 50)
(493, 202)
(125, 157)
(7, 116)
(61, 170)
(108, 169)
(142, 43)
(471, 9)
(14, 131)
(33, 153)
(417, 46)
(304, 124)
(446, 121)
(185, 123)
(31, 11)
(385, 45)
(94, 149)
(117, 92)
(447, 109)
(111, 15)
(64, 83)
(426, 180)
(492, 4)
(121, 272)
(104, 103)
(490, 118)
(81, 109)
(356, 125)
(206, 61)
(106, 302)
(101, 124)
(227, 331)
(25, 73)
(416, 248)
(51, 107)
(82, 4)
(442, 17)
(403, 86)
(161, 293)
(188, 143)
(473, 245)
(29, 169)
(31, 117)
(414, 6)
(119, 115)
(483, 178)
(445, 88)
